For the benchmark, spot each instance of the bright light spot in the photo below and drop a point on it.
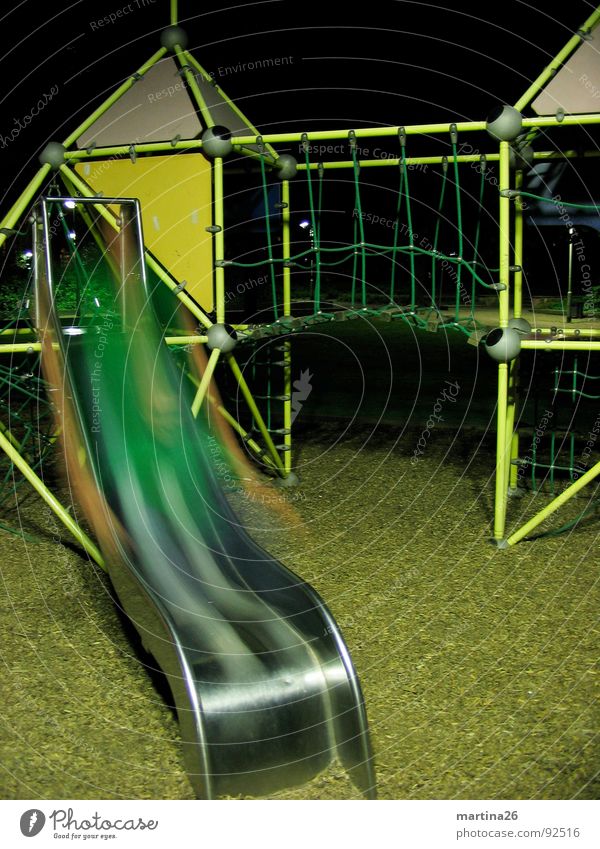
(70, 204)
(97, 302)
(73, 331)
(72, 235)
(27, 254)
(304, 224)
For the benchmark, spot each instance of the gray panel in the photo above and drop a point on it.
(157, 108)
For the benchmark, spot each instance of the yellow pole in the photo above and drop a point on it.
(251, 443)
(51, 500)
(125, 149)
(166, 278)
(205, 382)
(20, 206)
(367, 133)
(549, 71)
(555, 504)
(558, 345)
(287, 345)
(503, 436)
(219, 247)
(255, 411)
(193, 86)
(193, 61)
(174, 15)
(385, 163)
(512, 472)
(104, 107)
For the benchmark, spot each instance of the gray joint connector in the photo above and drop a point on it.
(304, 141)
(222, 263)
(136, 77)
(91, 147)
(499, 287)
(515, 268)
(180, 287)
(213, 228)
(281, 205)
(509, 193)
(132, 153)
(352, 138)
(444, 164)
(453, 134)
(483, 162)
(585, 35)
(260, 144)
(183, 70)
(402, 136)
(175, 140)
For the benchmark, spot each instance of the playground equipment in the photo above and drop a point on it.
(176, 156)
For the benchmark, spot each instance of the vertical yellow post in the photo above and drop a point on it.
(287, 347)
(219, 253)
(513, 470)
(503, 438)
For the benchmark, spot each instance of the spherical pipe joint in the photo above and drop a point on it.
(216, 142)
(504, 123)
(521, 325)
(503, 344)
(173, 36)
(53, 154)
(286, 167)
(221, 336)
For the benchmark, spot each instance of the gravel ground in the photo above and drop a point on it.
(479, 666)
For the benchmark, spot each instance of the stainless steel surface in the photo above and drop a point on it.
(265, 690)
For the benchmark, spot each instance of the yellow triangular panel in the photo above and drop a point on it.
(175, 194)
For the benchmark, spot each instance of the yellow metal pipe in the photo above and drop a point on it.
(205, 382)
(570, 331)
(23, 347)
(559, 345)
(185, 340)
(501, 446)
(364, 133)
(203, 73)
(182, 58)
(126, 149)
(518, 251)
(104, 107)
(83, 188)
(555, 504)
(287, 345)
(237, 372)
(567, 121)
(383, 163)
(20, 206)
(511, 405)
(219, 245)
(174, 13)
(504, 237)
(549, 71)
(51, 500)
(251, 443)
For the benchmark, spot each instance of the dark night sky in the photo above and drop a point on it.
(384, 62)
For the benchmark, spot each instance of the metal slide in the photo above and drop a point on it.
(265, 690)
